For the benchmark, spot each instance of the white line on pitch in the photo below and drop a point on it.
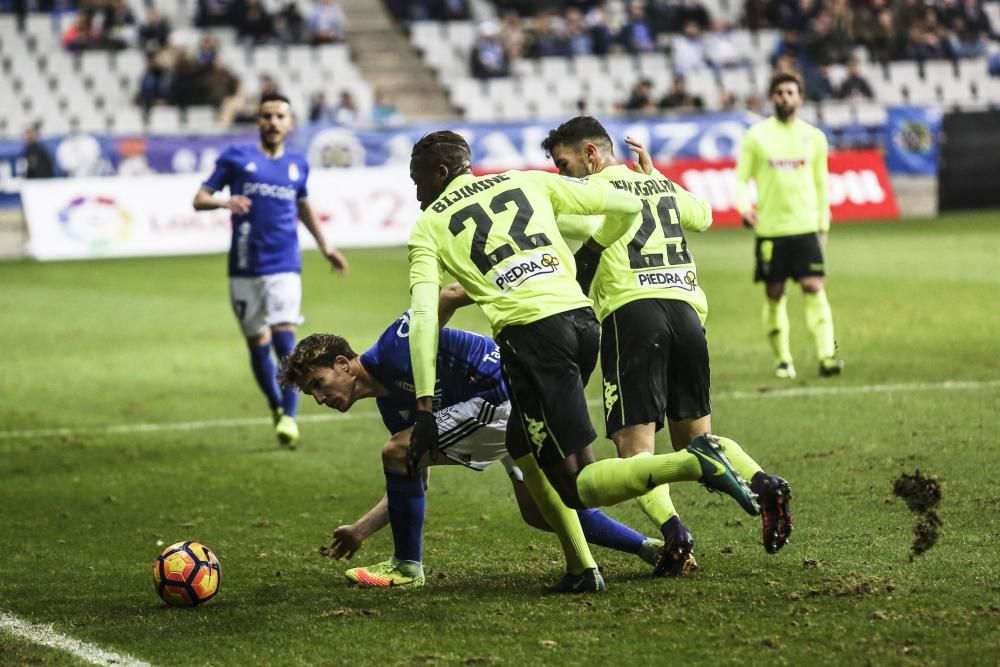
(789, 392)
(46, 636)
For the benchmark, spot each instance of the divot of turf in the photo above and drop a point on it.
(922, 493)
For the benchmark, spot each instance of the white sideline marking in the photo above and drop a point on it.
(46, 636)
(791, 392)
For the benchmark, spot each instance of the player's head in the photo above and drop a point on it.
(437, 159)
(579, 147)
(320, 365)
(274, 119)
(786, 92)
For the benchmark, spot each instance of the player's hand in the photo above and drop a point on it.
(336, 259)
(239, 204)
(423, 440)
(644, 162)
(346, 540)
(750, 219)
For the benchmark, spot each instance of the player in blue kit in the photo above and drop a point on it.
(471, 408)
(267, 196)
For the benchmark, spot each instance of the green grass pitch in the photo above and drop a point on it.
(92, 347)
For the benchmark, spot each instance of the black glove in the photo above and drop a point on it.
(586, 266)
(424, 438)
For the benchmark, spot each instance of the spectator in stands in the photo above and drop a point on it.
(727, 101)
(925, 39)
(754, 103)
(965, 41)
(118, 26)
(37, 160)
(451, 10)
(977, 19)
(640, 100)
(247, 113)
(909, 13)
(636, 36)
(81, 34)
(384, 112)
(254, 24)
(819, 87)
(155, 84)
(487, 59)
(290, 25)
(842, 21)
(215, 13)
(326, 22)
(155, 32)
(798, 15)
(886, 42)
(220, 87)
(786, 64)
(320, 110)
(824, 45)
(208, 49)
(689, 50)
(545, 39)
(186, 81)
(854, 86)
(578, 40)
(603, 34)
(679, 99)
(512, 35)
(720, 50)
(790, 44)
(347, 111)
(866, 21)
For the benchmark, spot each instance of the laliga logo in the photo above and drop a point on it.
(98, 221)
(523, 269)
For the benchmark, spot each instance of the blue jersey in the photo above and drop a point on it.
(468, 366)
(266, 239)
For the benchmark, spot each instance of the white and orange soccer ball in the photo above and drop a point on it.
(187, 574)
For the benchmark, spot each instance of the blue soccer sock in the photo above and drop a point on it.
(284, 343)
(266, 373)
(602, 530)
(406, 513)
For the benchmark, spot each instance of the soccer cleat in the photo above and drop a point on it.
(775, 496)
(650, 550)
(830, 367)
(677, 556)
(287, 431)
(590, 581)
(717, 473)
(388, 574)
(785, 370)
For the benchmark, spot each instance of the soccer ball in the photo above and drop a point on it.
(186, 574)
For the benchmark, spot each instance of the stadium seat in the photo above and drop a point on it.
(938, 71)
(164, 120)
(904, 73)
(837, 114)
(974, 69)
(954, 91)
(554, 68)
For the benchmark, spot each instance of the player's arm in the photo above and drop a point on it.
(348, 539)
(222, 175)
(424, 293)
(308, 218)
(745, 168)
(452, 298)
(820, 173)
(696, 213)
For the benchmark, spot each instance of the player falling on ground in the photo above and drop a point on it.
(654, 354)
(786, 158)
(497, 235)
(471, 411)
(267, 195)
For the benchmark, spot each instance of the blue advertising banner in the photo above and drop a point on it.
(911, 140)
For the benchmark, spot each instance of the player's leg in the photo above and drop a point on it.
(554, 418)
(771, 270)
(405, 497)
(247, 300)
(283, 299)
(810, 271)
(634, 351)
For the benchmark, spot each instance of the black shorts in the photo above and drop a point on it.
(546, 365)
(784, 257)
(654, 359)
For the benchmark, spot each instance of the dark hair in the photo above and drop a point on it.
(317, 350)
(273, 97)
(444, 147)
(576, 131)
(786, 77)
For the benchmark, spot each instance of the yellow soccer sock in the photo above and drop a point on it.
(612, 481)
(776, 326)
(819, 321)
(564, 521)
(741, 461)
(657, 504)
